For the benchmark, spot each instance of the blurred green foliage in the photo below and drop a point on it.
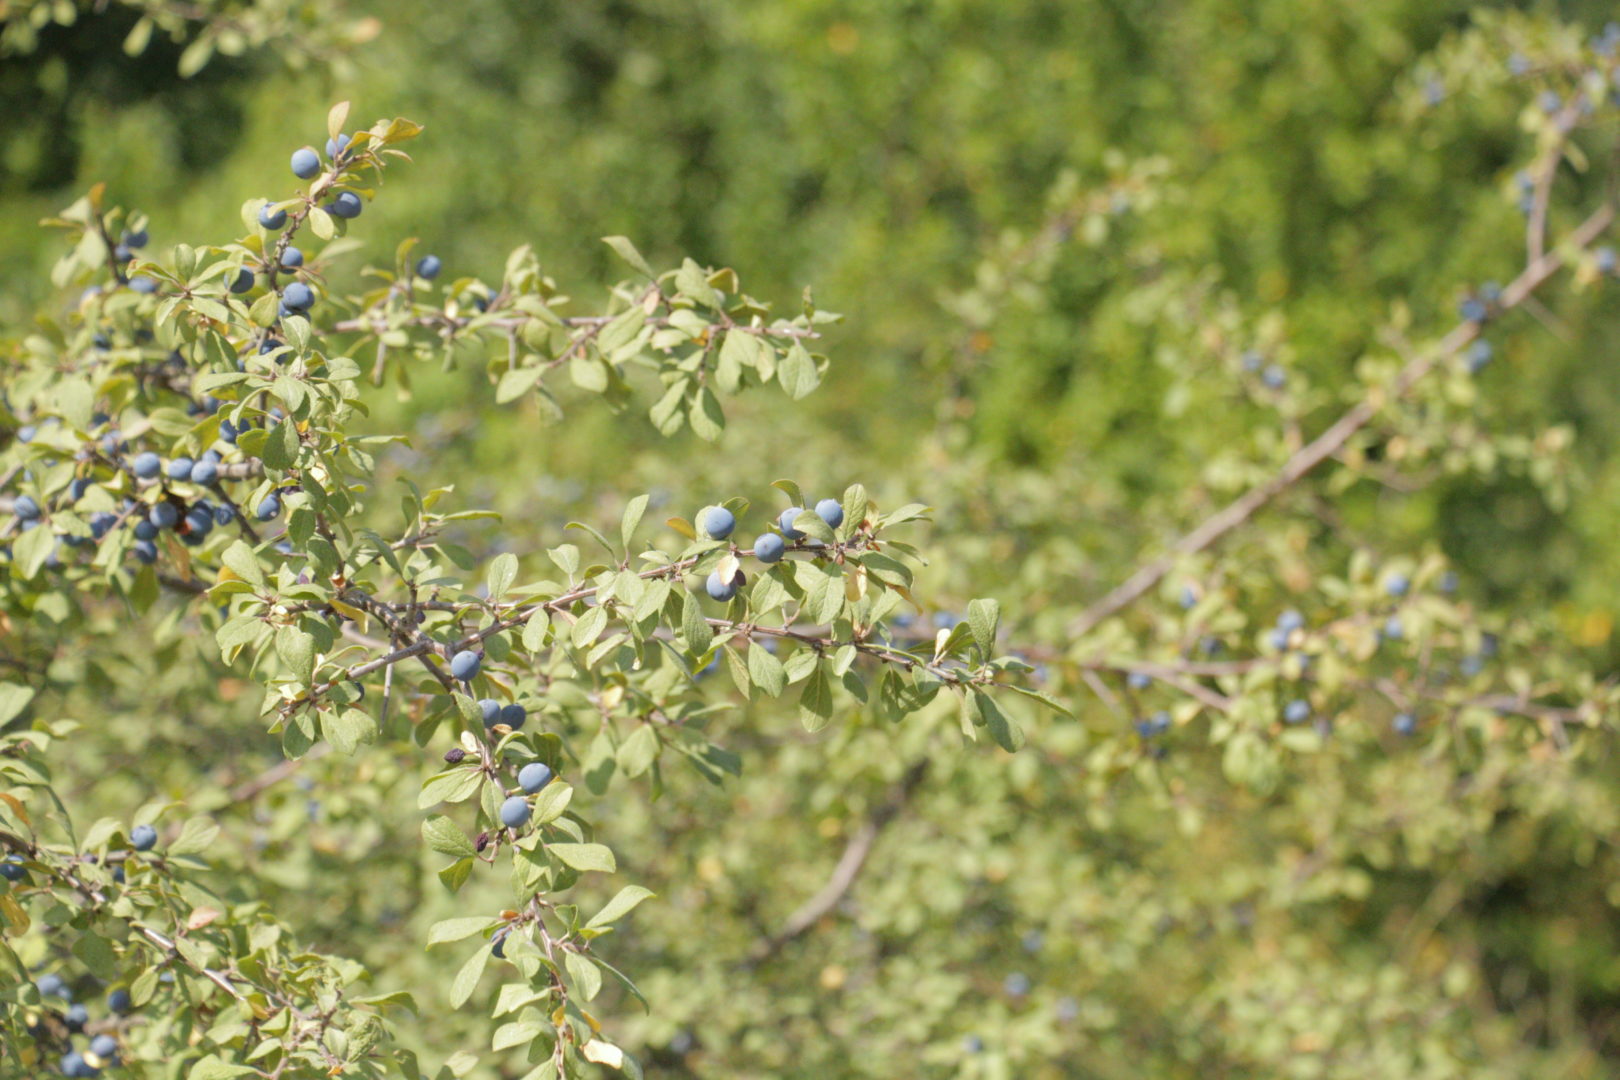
(1065, 386)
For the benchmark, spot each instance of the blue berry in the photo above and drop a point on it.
(831, 512)
(722, 590)
(1274, 377)
(76, 1016)
(346, 205)
(1290, 620)
(145, 529)
(1189, 597)
(1297, 711)
(119, 1001)
(1393, 630)
(515, 812)
(51, 985)
(335, 147)
(717, 522)
(164, 515)
(135, 239)
(1605, 260)
(1138, 681)
(104, 1047)
(243, 281)
(26, 433)
(1405, 723)
(145, 551)
(180, 468)
(12, 869)
(298, 297)
(491, 710)
(147, 465)
(785, 522)
(514, 715)
(428, 266)
(269, 508)
(1472, 310)
(100, 522)
(291, 258)
(144, 285)
(1017, 984)
(204, 471)
(25, 508)
(768, 548)
(305, 163)
(1397, 585)
(74, 1065)
(271, 218)
(143, 838)
(534, 776)
(465, 664)
(1479, 355)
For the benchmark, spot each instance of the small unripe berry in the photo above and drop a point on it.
(515, 812)
(143, 837)
(305, 163)
(465, 664)
(534, 776)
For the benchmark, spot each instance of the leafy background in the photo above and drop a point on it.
(1270, 164)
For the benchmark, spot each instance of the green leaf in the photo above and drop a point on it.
(633, 511)
(638, 752)
(620, 906)
(516, 382)
(14, 698)
(1008, 735)
(551, 802)
(707, 418)
(446, 837)
(694, 627)
(627, 251)
(585, 856)
(466, 980)
(589, 627)
(534, 631)
(212, 1068)
(195, 836)
(502, 572)
(587, 977)
(984, 616)
(815, 704)
(765, 670)
(452, 786)
(797, 372)
(457, 929)
(297, 651)
(346, 730)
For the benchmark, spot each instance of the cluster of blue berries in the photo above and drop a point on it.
(718, 523)
(102, 1050)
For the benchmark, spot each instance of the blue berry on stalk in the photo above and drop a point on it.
(180, 468)
(298, 297)
(465, 664)
(271, 218)
(428, 266)
(147, 465)
(722, 590)
(305, 163)
(515, 812)
(534, 776)
(144, 285)
(291, 258)
(269, 508)
(1297, 711)
(143, 838)
(1405, 723)
(336, 147)
(491, 710)
(104, 1047)
(135, 239)
(1397, 585)
(119, 1001)
(717, 522)
(514, 715)
(164, 515)
(12, 869)
(25, 508)
(204, 471)
(145, 551)
(768, 548)
(785, 522)
(831, 512)
(346, 205)
(243, 281)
